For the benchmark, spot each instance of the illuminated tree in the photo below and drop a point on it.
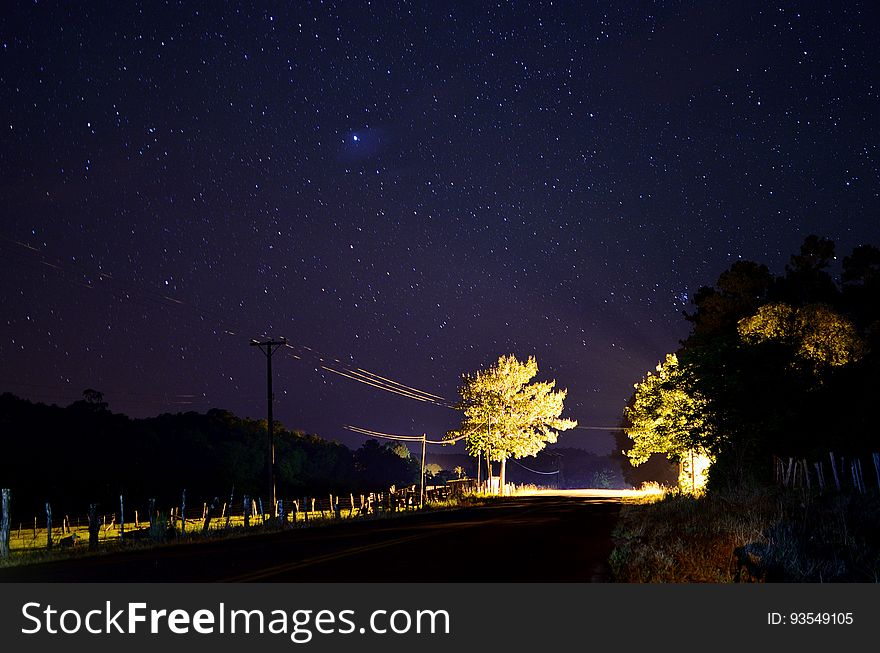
(819, 336)
(784, 365)
(667, 416)
(508, 416)
(400, 449)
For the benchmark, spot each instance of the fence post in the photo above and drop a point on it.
(121, 518)
(229, 514)
(855, 472)
(834, 470)
(183, 513)
(4, 523)
(48, 525)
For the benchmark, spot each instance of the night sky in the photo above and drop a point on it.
(410, 188)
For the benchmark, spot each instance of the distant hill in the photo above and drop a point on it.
(577, 468)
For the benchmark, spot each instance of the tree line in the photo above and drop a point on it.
(773, 365)
(84, 453)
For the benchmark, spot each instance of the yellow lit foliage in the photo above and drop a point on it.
(507, 416)
(818, 334)
(693, 472)
(666, 417)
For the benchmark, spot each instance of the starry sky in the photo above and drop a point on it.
(411, 189)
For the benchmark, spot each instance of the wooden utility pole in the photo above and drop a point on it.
(268, 348)
(479, 469)
(422, 494)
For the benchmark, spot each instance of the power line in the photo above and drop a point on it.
(423, 439)
(611, 428)
(346, 374)
(534, 471)
(401, 384)
(449, 441)
(404, 438)
(386, 436)
(366, 377)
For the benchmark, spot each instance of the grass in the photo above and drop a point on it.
(749, 535)
(29, 545)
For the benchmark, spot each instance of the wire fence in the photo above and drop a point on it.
(109, 529)
(843, 474)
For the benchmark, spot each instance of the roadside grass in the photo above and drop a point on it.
(755, 534)
(29, 546)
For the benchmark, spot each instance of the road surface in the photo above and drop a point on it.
(546, 537)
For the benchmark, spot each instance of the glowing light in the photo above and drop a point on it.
(693, 471)
(355, 138)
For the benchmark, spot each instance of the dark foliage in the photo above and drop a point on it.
(764, 398)
(85, 453)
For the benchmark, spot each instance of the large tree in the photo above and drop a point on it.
(506, 415)
(667, 416)
(782, 365)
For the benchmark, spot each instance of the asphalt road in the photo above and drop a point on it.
(562, 537)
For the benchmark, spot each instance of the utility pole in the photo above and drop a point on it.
(479, 469)
(268, 348)
(479, 455)
(422, 493)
